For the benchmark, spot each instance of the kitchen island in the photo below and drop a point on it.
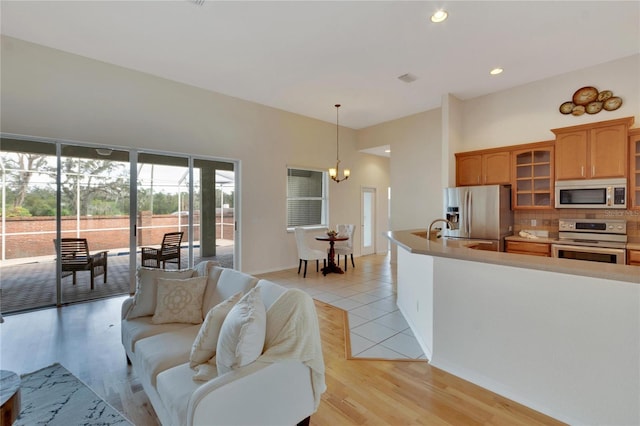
(560, 336)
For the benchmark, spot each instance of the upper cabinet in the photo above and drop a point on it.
(533, 177)
(634, 170)
(487, 167)
(592, 151)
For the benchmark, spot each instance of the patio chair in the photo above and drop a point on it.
(169, 251)
(75, 256)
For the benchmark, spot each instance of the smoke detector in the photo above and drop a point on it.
(408, 78)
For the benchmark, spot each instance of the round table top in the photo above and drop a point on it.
(328, 238)
(9, 385)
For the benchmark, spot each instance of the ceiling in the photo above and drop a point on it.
(305, 56)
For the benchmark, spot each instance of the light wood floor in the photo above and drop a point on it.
(85, 338)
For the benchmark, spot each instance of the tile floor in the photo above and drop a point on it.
(368, 293)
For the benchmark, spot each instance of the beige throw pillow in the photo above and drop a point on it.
(242, 334)
(204, 347)
(144, 301)
(179, 301)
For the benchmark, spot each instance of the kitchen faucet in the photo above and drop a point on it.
(435, 237)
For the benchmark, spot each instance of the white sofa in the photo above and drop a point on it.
(278, 388)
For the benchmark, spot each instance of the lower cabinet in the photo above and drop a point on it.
(633, 257)
(534, 249)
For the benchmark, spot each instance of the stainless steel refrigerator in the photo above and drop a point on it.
(479, 213)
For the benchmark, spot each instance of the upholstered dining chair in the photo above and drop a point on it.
(169, 251)
(345, 248)
(75, 256)
(305, 252)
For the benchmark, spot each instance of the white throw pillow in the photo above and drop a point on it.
(242, 334)
(144, 301)
(204, 347)
(179, 301)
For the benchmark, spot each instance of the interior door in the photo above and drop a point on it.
(368, 221)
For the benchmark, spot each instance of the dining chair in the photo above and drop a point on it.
(169, 251)
(345, 247)
(75, 256)
(305, 252)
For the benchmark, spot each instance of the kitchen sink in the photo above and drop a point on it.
(460, 243)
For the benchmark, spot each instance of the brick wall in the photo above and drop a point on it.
(35, 235)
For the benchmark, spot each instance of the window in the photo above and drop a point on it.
(306, 198)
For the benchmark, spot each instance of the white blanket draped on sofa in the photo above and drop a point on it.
(293, 334)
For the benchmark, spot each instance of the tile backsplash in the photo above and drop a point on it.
(548, 219)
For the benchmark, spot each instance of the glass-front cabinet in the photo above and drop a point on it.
(533, 174)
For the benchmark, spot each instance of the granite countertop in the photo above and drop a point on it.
(414, 241)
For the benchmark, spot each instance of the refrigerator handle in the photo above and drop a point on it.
(469, 207)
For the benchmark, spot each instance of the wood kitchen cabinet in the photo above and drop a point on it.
(634, 169)
(534, 249)
(633, 257)
(592, 151)
(487, 167)
(533, 177)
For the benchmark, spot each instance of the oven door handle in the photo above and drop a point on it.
(620, 253)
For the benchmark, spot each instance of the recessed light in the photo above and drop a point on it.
(387, 151)
(496, 71)
(439, 16)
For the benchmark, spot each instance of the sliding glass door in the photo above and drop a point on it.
(27, 263)
(78, 220)
(164, 211)
(94, 215)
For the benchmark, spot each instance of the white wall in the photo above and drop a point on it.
(416, 195)
(527, 113)
(563, 345)
(415, 296)
(52, 94)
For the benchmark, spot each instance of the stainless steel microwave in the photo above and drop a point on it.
(592, 194)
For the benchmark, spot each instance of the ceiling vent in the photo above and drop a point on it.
(408, 78)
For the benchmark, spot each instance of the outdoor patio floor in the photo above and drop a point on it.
(32, 285)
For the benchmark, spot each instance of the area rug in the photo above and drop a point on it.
(53, 396)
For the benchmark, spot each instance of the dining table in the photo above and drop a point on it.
(331, 265)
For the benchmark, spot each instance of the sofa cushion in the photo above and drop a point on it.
(162, 351)
(175, 387)
(242, 334)
(229, 283)
(144, 301)
(140, 328)
(212, 271)
(179, 300)
(204, 347)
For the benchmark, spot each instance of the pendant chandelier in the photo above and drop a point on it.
(335, 172)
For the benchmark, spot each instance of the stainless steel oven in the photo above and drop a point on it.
(591, 240)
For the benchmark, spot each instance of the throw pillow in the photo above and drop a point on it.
(179, 301)
(145, 299)
(204, 347)
(242, 334)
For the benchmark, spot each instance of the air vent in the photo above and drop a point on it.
(408, 78)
